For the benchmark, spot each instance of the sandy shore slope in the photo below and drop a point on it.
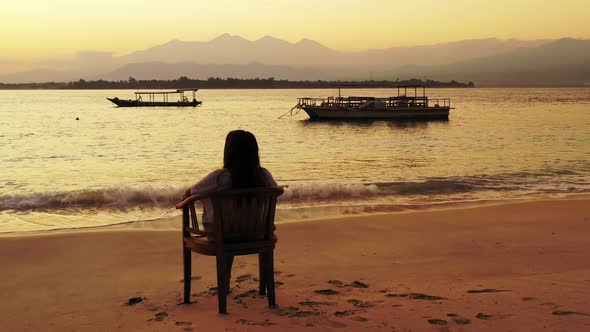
(521, 267)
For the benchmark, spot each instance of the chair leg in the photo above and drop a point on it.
(270, 277)
(229, 261)
(221, 284)
(187, 274)
(261, 273)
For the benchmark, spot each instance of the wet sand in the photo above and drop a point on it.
(521, 267)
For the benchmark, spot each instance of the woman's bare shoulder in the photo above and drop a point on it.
(216, 173)
(215, 180)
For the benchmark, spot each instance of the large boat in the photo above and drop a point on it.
(159, 98)
(402, 106)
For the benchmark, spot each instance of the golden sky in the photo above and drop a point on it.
(42, 29)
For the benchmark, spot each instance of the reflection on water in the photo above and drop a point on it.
(115, 164)
(400, 123)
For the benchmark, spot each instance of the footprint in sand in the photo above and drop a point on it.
(335, 282)
(487, 317)
(239, 301)
(417, 296)
(528, 298)
(317, 303)
(569, 313)
(484, 316)
(305, 313)
(357, 284)
(487, 290)
(183, 323)
(134, 300)
(361, 304)
(249, 322)
(326, 292)
(437, 322)
(244, 277)
(420, 296)
(359, 319)
(287, 311)
(251, 293)
(159, 316)
(459, 320)
(344, 313)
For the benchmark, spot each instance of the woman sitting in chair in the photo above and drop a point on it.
(241, 169)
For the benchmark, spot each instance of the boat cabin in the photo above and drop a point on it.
(163, 96)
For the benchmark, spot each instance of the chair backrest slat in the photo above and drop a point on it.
(193, 213)
(245, 214)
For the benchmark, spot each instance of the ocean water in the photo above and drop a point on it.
(118, 165)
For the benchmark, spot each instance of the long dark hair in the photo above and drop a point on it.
(240, 158)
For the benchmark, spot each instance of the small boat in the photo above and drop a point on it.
(158, 98)
(402, 106)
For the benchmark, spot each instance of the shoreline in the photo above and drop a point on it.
(167, 222)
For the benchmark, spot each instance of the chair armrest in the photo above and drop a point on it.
(192, 198)
(188, 200)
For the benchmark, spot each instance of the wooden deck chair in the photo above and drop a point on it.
(243, 222)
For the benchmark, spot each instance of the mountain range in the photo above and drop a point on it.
(484, 61)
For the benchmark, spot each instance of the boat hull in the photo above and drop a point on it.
(401, 113)
(138, 103)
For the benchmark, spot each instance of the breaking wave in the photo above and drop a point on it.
(111, 198)
(305, 193)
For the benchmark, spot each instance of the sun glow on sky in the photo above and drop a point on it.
(41, 29)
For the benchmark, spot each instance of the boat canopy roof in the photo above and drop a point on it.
(410, 86)
(380, 86)
(163, 92)
(361, 86)
(400, 88)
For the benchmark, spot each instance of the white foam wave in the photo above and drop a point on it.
(111, 198)
(301, 192)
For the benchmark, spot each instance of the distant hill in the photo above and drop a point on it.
(227, 49)
(485, 61)
(561, 62)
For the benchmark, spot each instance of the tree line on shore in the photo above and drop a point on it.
(224, 83)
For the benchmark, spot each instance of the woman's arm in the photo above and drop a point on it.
(268, 179)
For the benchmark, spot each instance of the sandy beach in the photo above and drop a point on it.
(519, 267)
